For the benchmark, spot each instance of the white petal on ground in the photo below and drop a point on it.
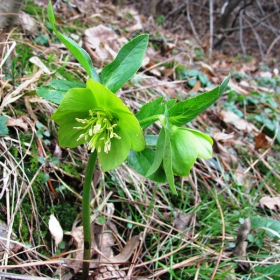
(55, 229)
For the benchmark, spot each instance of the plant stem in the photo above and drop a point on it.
(86, 212)
(149, 120)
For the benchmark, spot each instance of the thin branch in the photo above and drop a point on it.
(253, 25)
(176, 10)
(224, 18)
(211, 28)
(259, 41)
(271, 46)
(271, 28)
(191, 24)
(241, 33)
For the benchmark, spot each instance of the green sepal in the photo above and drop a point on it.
(159, 153)
(204, 143)
(188, 145)
(184, 152)
(167, 161)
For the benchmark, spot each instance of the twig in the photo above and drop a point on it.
(271, 46)
(248, 27)
(23, 277)
(271, 28)
(153, 86)
(192, 25)
(176, 10)
(241, 34)
(211, 28)
(257, 38)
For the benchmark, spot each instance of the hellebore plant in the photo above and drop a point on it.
(93, 115)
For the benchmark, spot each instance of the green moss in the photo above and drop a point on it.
(70, 169)
(66, 213)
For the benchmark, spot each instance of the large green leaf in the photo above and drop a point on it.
(126, 64)
(80, 54)
(55, 90)
(149, 109)
(270, 226)
(270, 271)
(141, 162)
(3, 128)
(149, 112)
(187, 110)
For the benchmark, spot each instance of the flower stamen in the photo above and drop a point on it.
(99, 128)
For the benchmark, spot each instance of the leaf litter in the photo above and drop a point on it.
(162, 229)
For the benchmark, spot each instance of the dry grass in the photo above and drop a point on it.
(189, 236)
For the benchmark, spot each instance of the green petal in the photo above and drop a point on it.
(105, 99)
(127, 121)
(75, 100)
(204, 144)
(118, 153)
(67, 135)
(184, 151)
(76, 104)
(130, 125)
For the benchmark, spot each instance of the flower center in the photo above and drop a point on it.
(99, 130)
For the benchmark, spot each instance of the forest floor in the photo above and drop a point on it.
(223, 224)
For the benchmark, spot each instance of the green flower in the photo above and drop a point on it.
(186, 146)
(96, 116)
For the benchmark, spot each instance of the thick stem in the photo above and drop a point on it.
(86, 212)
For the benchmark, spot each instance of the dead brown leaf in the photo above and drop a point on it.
(207, 69)
(104, 41)
(261, 141)
(238, 88)
(138, 22)
(182, 221)
(221, 136)
(78, 237)
(272, 203)
(239, 123)
(20, 122)
(128, 250)
(197, 86)
(28, 23)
